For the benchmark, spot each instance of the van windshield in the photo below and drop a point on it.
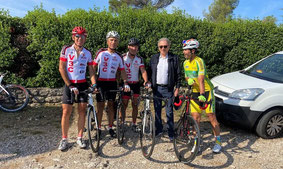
(270, 69)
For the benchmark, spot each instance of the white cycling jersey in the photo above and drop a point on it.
(108, 64)
(132, 67)
(76, 65)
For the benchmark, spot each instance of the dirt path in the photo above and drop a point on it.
(29, 139)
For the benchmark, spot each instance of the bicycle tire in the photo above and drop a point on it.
(92, 130)
(120, 124)
(16, 100)
(187, 139)
(147, 134)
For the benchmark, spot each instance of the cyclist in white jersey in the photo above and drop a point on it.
(133, 65)
(74, 60)
(108, 62)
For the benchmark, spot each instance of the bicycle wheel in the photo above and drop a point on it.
(187, 139)
(92, 129)
(147, 134)
(120, 124)
(13, 98)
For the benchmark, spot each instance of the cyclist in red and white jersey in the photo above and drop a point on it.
(133, 65)
(108, 62)
(74, 60)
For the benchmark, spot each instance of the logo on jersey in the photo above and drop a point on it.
(82, 71)
(71, 63)
(81, 64)
(128, 70)
(105, 64)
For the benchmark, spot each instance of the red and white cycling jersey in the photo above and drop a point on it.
(132, 67)
(76, 65)
(108, 64)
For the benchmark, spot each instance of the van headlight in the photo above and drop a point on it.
(246, 94)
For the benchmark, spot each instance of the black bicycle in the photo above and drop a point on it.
(147, 127)
(13, 97)
(187, 133)
(120, 119)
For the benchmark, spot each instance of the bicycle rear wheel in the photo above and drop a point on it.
(187, 139)
(14, 99)
(92, 130)
(147, 134)
(120, 124)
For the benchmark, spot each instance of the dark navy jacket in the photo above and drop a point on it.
(174, 73)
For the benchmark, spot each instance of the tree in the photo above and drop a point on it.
(114, 5)
(269, 19)
(221, 10)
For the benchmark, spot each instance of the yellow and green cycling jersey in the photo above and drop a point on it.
(195, 68)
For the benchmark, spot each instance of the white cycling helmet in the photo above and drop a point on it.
(113, 34)
(190, 44)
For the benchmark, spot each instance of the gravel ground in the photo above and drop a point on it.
(29, 139)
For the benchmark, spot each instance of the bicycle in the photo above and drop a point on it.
(13, 97)
(147, 127)
(120, 123)
(92, 121)
(187, 134)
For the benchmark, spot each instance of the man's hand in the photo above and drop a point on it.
(191, 81)
(74, 89)
(127, 88)
(147, 84)
(201, 98)
(93, 88)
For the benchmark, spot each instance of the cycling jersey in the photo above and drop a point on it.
(108, 64)
(132, 67)
(195, 68)
(76, 65)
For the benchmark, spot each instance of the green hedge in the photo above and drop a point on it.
(225, 47)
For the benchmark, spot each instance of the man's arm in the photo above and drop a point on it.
(63, 72)
(92, 74)
(201, 84)
(144, 75)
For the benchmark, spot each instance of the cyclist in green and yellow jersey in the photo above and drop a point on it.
(202, 88)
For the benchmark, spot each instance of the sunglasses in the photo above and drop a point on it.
(163, 47)
(80, 36)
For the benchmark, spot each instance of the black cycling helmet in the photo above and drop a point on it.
(134, 41)
(177, 102)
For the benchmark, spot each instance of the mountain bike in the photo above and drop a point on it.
(147, 127)
(187, 134)
(13, 97)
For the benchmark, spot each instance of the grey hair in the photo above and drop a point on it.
(165, 39)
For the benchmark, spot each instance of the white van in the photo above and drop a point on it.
(253, 98)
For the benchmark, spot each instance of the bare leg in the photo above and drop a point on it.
(81, 119)
(67, 110)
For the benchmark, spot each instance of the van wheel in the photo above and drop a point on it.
(271, 124)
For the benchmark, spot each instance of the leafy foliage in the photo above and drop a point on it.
(115, 5)
(225, 47)
(221, 10)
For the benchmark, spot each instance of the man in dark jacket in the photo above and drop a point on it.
(164, 69)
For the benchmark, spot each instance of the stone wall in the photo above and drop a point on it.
(45, 96)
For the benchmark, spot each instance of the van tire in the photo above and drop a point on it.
(271, 124)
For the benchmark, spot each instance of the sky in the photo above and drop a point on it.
(247, 9)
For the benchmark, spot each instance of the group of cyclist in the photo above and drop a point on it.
(108, 66)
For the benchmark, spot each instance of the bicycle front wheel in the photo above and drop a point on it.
(14, 98)
(187, 139)
(147, 134)
(92, 129)
(120, 124)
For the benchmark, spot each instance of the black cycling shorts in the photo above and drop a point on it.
(81, 98)
(105, 86)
